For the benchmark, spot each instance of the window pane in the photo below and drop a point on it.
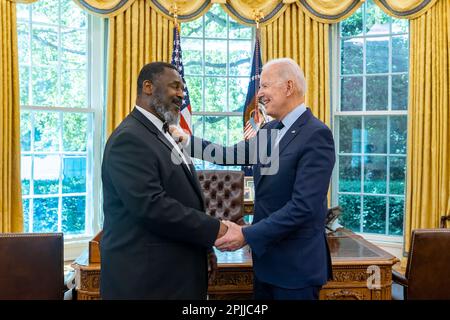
(216, 94)
(25, 130)
(374, 213)
(396, 213)
(44, 44)
(377, 22)
(375, 134)
(46, 174)
(237, 93)
(45, 215)
(377, 55)
(400, 54)
(216, 129)
(216, 23)
(351, 93)
(73, 48)
(235, 128)
(25, 173)
(73, 215)
(24, 78)
(44, 86)
(398, 134)
(46, 131)
(350, 134)
(239, 57)
(215, 57)
(74, 88)
(353, 25)
(26, 214)
(74, 174)
(45, 11)
(72, 15)
(75, 128)
(352, 56)
(192, 56)
(192, 29)
(351, 211)
(375, 174)
(23, 44)
(239, 31)
(397, 170)
(197, 126)
(400, 92)
(195, 87)
(377, 93)
(22, 11)
(400, 25)
(349, 173)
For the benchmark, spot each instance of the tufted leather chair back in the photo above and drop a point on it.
(224, 194)
(428, 265)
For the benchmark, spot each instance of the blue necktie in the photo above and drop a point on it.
(279, 125)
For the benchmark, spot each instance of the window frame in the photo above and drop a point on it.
(96, 58)
(203, 76)
(393, 241)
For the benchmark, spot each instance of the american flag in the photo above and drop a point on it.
(252, 117)
(177, 61)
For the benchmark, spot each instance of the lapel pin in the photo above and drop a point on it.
(293, 131)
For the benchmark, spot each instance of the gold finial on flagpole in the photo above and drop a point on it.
(174, 11)
(257, 16)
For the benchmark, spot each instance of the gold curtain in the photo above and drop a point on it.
(137, 36)
(244, 11)
(186, 10)
(104, 8)
(11, 217)
(297, 36)
(428, 176)
(406, 9)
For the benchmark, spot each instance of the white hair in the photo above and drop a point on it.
(290, 71)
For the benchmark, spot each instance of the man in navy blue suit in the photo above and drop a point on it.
(291, 258)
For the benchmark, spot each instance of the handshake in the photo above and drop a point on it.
(230, 237)
(179, 135)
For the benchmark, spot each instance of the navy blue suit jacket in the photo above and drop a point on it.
(287, 236)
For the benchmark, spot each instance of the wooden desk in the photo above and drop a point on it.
(353, 258)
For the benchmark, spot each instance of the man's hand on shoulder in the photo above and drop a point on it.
(179, 135)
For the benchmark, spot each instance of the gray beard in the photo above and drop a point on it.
(171, 118)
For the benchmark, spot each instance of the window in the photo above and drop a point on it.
(370, 121)
(60, 127)
(217, 54)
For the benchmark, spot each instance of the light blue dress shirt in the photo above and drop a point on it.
(289, 120)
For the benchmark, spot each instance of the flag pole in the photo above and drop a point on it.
(185, 110)
(257, 16)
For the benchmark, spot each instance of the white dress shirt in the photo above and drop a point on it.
(159, 124)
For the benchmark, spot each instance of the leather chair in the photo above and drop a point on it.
(427, 268)
(224, 194)
(31, 266)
